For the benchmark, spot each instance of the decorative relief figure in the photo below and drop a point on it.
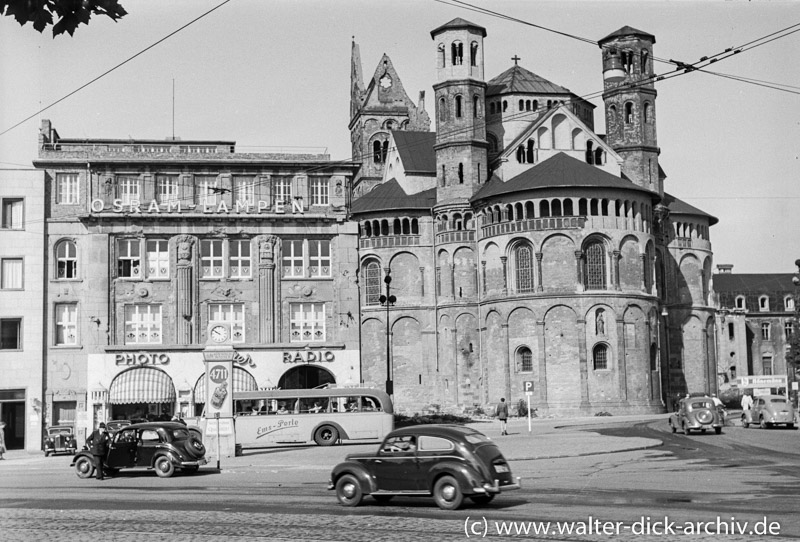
(185, 243)
(600, 322)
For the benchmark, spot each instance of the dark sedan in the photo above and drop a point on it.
(162, 446)
(448, 462)
(60, 439)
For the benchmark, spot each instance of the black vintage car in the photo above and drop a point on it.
(60, 439)
(449, 462)
(162, 446)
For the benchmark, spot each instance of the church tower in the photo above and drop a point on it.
(375, 110)
(630, 103)
(460, 94)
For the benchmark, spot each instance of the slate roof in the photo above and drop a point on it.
(518, 80)
(682, 208)
(416, 151)
(753, 282)
(390, 196)
(627, 31)
(456, 24)
(560, 170)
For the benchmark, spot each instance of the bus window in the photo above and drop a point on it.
(313, 405)
(370, 404)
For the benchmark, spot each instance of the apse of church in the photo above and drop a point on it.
(523, 246)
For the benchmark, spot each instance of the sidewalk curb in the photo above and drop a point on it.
(657, 444)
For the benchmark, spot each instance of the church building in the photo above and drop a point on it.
(523, 248)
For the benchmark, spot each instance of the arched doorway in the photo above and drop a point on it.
(305, 377)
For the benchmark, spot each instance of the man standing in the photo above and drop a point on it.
(98, 445)
(747, 402)
(502, 415)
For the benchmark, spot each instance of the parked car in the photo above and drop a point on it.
(448, 462)
(115, 425)
(162, 446)
(696, 413)
(60, 439)
(770, 410)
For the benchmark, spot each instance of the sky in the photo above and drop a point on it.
(276, 73)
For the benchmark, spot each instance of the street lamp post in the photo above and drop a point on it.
(388, 300)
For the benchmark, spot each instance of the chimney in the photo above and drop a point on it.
(725, 268)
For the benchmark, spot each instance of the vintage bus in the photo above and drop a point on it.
(325, 416)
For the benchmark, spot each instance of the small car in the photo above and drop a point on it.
(448, 462)
(162, 446)
(60, 439)
(770, 410)
(696, 413)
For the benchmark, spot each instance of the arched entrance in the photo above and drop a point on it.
(305, 377)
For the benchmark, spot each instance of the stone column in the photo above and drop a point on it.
(579, 273)
(622, 360)
(643, 259)
(615, 254)
(542, 365)
(507, 361)
(583, 364)
(438, 281)
(504, 260)
(452, 273)
(539, 285)
(483, 273)
(184, 290)
(266, 289)
(422, 282)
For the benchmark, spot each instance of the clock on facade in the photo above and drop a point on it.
(219, 333)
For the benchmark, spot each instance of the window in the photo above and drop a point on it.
(211, 260)
(319, 258)
(245, 191)
(458, 107)
(600, 357)
(788, 329)
(207, 190)
(731, 334)
(66, 260)
(239, 263)
(142, 324)
(66, 315)
(10, 333)
(67, 188)
(282, 190)
(319, 192)
(766, 364)
(435, 444)
(11, 274)
(740, 302)
(293, 259)
(157, 259)
(166, 189)
(12, 218)
(372, 276)
(524, 264)
(128, 259)
(763, 303)
(457, 53)
(307, 322)
(765, 331)
(648, 113)
(473, 54)
(628, 113)
(788, 302)
(64, 412)
(128, 189)
(525, 360)
(595, 266)
(228, 313)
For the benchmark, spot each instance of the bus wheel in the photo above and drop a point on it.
(326, 435)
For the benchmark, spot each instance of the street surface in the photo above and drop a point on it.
(720, 481)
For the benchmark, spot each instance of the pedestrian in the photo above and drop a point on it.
(502, 415)
(98, 445)
(747, 402)
(2, 439)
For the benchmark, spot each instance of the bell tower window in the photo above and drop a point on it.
(458, 106)
(628, 112)
(457, 53)
(473, 54)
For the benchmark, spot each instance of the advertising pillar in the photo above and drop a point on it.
(220, 434)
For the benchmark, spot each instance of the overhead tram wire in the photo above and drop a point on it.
(114, 68)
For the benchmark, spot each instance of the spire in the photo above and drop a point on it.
(356, 80)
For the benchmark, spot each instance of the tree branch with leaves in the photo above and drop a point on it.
(70, 13)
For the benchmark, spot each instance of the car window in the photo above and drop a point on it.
(180, 434)
(702, 404)
(779, 400)
(127, 436)
(399, 444)
(432, 444)
(149, 435)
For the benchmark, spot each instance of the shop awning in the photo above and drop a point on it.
(242, 381)
(141, 385)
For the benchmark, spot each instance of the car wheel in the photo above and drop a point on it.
(382, 499)
(164, 467)
(194, 447)
(718, 430)
(686, 429)
(447, 494)
(348, 490)
(326, 435)
(84, 467)
(482, 499)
